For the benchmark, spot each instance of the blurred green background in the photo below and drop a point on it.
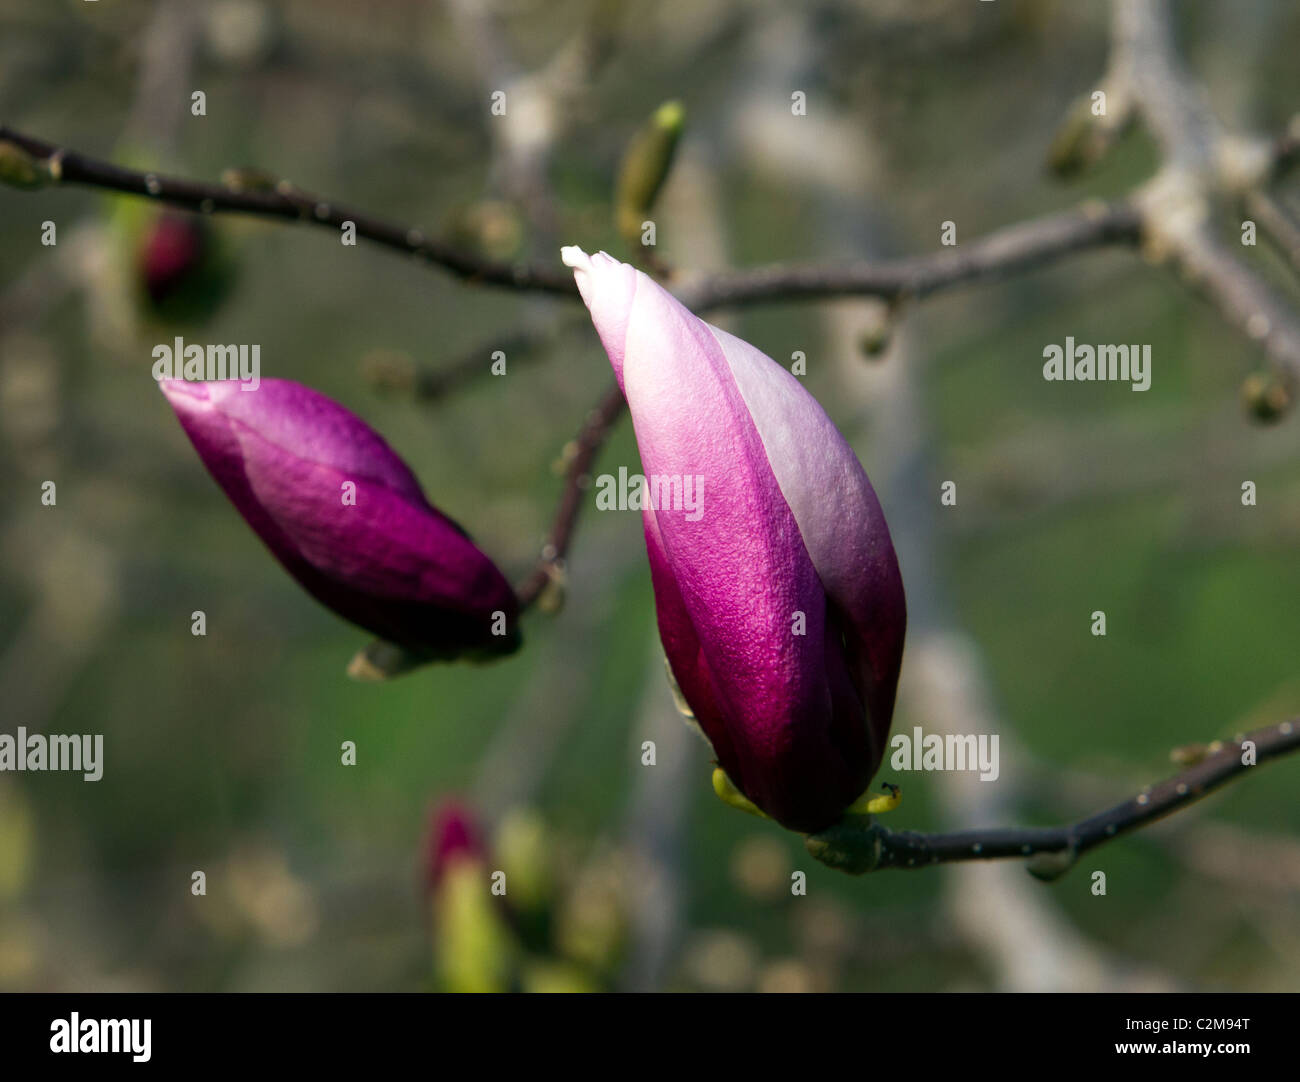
(222, 752)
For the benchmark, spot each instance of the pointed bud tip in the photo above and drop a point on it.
(573, 256)
(182, 393)
(591, 272)
(670, 116)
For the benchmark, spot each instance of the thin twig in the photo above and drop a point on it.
(429, 383)
(1276, 224)
(287, 202)
(871, 847)
(580, 455)
(1004, 252)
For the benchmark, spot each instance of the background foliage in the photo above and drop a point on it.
(222, 751)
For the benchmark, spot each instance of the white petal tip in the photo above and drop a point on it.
(575, 257)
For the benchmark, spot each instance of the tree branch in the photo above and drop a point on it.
(284, 201)
(1002, 253)
(1276, 224)
(1200, 160)
(580, 454)
(859, 844)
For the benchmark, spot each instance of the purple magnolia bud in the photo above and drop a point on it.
(185, 273)
(346, 517)
(780, 604)
(453, 837)
(173, 249)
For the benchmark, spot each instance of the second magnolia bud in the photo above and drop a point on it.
(645, 167)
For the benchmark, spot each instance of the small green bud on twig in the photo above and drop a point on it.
(645, 167)
(19, 169)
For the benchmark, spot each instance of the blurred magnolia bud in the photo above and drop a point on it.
(1089, 130)
(184, 274)
(645, 167)
(453, 838)
(1266, 396)
(1078, 143)
(474, 949)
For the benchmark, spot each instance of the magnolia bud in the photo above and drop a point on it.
(184, 274)
(346, 518)
(645, 167)
(474, 949)
(1266, 396)
(779, 598)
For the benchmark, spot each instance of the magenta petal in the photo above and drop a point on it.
(385, 560)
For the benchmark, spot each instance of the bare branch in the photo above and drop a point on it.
(1276, 224)
(1200, 160)
(1007, 251)
(287, 202)
(1242, 297)
(1004, 252)
(859, 844)
(1174, 106)
(580, 454)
